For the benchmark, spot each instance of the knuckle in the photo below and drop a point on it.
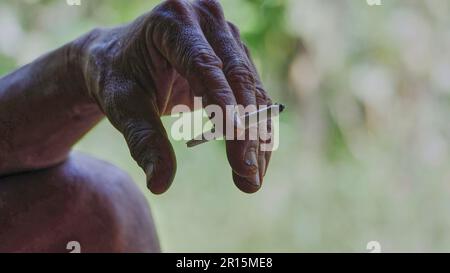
(262, 96)
(212, 6)
(138, 137)
(170, 8)
(238, 70)
(178, 6)
(204, 58)
(136, 134)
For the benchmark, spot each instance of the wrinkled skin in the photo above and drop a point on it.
(133, 75)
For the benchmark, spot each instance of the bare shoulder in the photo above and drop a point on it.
(85, 200)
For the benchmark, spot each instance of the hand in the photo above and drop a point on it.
(138, 72)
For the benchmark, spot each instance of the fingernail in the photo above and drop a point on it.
(149, 172)
(254, 180)
(262, 172)
(251, 160)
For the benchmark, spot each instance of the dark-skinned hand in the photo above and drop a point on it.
(178, 51)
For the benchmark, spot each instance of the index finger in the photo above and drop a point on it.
(175, 32)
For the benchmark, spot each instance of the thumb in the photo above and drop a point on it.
(150, 147)
(133, 112)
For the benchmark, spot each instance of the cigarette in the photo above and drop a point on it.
(250, 119)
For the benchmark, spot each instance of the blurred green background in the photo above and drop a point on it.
(365, 142)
